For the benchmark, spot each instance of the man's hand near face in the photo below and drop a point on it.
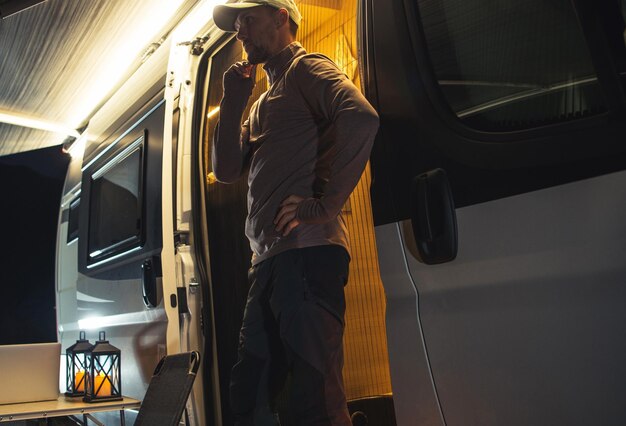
(239, 79)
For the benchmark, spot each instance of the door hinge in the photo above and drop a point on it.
(195, 45)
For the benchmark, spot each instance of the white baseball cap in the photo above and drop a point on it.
(225, 15)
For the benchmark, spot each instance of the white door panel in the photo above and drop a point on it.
(527, 326)
(414, 398)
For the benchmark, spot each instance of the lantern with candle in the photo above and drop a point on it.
(76, 366)
(104, 382)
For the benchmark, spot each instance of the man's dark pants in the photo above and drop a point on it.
(293, 322)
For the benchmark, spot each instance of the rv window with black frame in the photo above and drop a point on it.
(511, 65)
(115, 213)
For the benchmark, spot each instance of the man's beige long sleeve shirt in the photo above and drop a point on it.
(309, 135)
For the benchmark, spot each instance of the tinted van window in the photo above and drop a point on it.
(510, 65)
(115, 221)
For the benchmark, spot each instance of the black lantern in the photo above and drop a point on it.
(104, 381)
(76, 366)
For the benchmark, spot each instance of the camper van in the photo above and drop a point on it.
(488, 277)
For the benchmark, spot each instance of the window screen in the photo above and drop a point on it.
(115, 219)
(509, 65)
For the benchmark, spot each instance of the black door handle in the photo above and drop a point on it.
(150, 271)
(433, 217)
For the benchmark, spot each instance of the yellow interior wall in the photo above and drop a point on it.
(329, 27)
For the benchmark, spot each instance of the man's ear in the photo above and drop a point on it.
(282, 18)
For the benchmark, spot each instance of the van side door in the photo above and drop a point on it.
(507, 293)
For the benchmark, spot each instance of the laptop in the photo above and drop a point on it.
(29, 373)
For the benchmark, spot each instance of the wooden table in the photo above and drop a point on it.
(64, 406)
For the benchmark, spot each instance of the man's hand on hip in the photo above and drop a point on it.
(286, 219)
(239, 79)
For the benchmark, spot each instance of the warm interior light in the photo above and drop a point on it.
(24, 121)
(135, 38)
(202, 13)
(109, 73)
(77, 149)
(213, 112)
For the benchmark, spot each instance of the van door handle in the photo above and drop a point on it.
(150, 271)
(433, 217)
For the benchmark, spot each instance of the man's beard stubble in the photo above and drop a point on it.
(257, 55)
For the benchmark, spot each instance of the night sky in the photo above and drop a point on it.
(30, 189)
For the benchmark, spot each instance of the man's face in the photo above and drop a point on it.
(257, 31)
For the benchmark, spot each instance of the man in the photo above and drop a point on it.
(304, 144)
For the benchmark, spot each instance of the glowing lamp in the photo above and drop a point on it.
(76, 366)
(104, 381)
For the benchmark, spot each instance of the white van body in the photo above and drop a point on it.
(113, 300)
(521, 322)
